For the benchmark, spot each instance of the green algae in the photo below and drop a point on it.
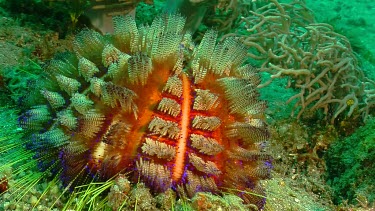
(351, 166)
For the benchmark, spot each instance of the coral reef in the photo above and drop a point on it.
(350, 166)
(207, 201)
(283, 194)
(42, 196)
(145, 101)
(225, 16)
(352, 19)
(298, 146)
(222, 15)
(317, 61)
(39, 14)
(298, 152)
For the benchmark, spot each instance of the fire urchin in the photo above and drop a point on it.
(145, 101)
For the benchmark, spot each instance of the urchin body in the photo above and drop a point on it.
(146, 102)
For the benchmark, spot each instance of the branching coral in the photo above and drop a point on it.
(227, 13)
(317, 61)
(224, 15)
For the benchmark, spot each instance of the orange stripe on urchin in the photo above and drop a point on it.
(147, 102)
(179, 162)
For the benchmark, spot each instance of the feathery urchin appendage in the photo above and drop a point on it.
(16, 162)
(146, 102)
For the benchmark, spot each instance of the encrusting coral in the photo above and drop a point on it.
(146, 102)
(317, 61)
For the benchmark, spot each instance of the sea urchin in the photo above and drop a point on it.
(147, 102)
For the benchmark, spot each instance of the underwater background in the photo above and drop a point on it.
(315, 60)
